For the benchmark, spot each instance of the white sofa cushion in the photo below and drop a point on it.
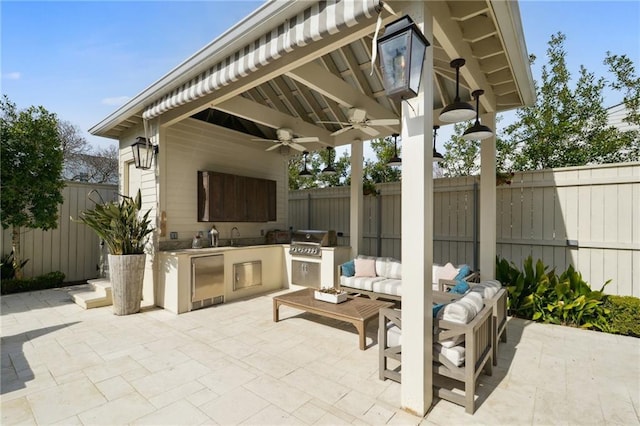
(381, 264)
(394, 269)
(447, 272)
(388, 286)
(361, 283)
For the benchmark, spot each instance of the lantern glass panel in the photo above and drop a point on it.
(395, 62)
(418, 49)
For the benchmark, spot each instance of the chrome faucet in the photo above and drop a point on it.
(237, 234)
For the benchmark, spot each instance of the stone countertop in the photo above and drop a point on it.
(214, 250)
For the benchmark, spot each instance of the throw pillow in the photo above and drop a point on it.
(461, 288)
(349, 269)
(447, 272)
(365, 267)
(463, 272)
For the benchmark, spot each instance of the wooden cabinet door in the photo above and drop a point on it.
(272, 201)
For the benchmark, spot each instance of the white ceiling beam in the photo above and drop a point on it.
(449, 35)
(253, 111)
(332, 87)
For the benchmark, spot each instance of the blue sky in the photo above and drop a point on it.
(82, 59)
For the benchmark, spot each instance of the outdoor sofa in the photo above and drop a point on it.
(381, 277)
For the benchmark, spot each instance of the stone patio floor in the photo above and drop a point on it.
(231, 364)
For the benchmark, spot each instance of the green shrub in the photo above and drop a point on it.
(51, 280)
(541, 295)
(625, 314)
(8, 266)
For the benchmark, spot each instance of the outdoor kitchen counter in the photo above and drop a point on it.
(173, 288)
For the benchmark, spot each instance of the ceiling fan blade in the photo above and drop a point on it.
(307, 139)
(369, 130)
(271, 148)
(384, 122)
(296, 146)
(341, 131)
(333, 122)
(265, 140)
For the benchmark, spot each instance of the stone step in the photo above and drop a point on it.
(95, 294)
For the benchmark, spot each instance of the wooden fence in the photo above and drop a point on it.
(71, 248)
(585, 216)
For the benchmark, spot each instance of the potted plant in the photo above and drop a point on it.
(125, 232)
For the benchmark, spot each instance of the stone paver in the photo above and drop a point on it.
(231, 364)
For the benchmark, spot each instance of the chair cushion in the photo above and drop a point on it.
(349, 268)
(463, 310)
(455, 354)
(365, 267)
(487, 289)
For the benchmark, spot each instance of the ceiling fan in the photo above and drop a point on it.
(285, 138)
(357, 120)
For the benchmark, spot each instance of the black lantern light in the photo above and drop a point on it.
(395, 160)
(329, 170)
(478, 131)
(437, 157)
(143, 153)
(402, 50)
(305, 171)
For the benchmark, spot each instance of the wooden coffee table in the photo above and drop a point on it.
(358, 311)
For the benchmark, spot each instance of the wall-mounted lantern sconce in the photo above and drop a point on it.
(437, 157)
(457, 111)
(143, 153)
(478, 131)
(305, 171)
(329, 170)
(395, 160)
(402, 50)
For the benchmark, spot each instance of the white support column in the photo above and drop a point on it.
(417, 232)
(488, 200)
(355, 216)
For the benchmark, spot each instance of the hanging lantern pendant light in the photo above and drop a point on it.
(477, 131)
(329, 170)
(395, 161)
(305, 171)
(457, 111)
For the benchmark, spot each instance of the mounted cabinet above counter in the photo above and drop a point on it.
(225, 197)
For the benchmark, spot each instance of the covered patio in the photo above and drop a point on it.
(232, 365)
(299, 69)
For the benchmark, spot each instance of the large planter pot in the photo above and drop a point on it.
(126, 273)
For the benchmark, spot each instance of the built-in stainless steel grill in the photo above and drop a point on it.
(310, 243)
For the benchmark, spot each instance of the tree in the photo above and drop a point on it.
(316, 162)
(379, 171)
(101, 166)
(31, 156)
(568, 127)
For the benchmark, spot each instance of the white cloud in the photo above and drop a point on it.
(116, 101)
(12, 76)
